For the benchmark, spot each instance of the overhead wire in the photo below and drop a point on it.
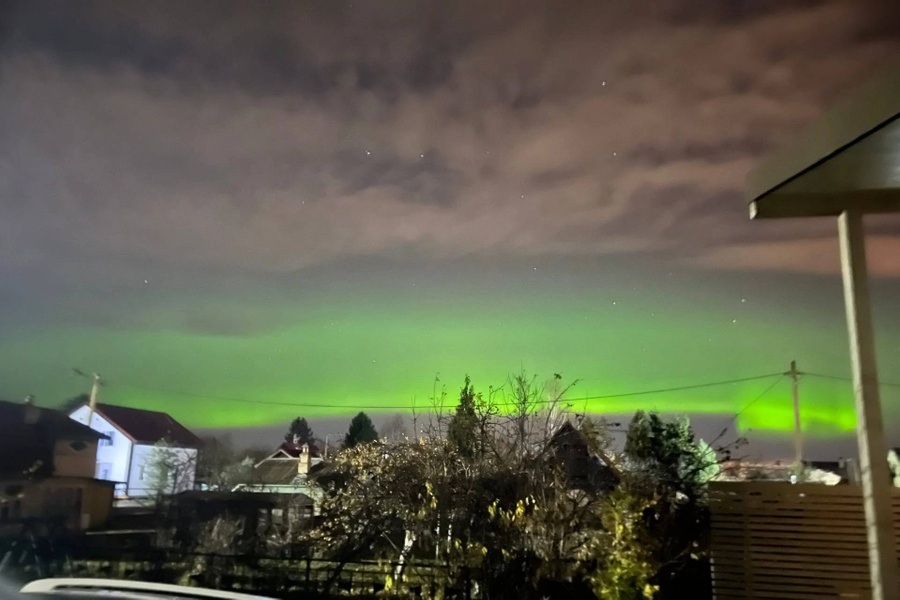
(395, 407)
(763, 394)
(838, 378)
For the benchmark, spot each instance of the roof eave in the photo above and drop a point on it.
(872, 107)
(780, 205)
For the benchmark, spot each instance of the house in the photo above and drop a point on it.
(894, 465)
(138, 444)
(825, 472)
(289, 463)
(286, 471)
(586, 468)
(47, 472)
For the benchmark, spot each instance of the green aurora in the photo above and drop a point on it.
(379, 348)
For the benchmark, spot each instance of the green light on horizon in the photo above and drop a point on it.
(369, 354)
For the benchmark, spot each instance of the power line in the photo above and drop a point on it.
(837, 378)
(674, 389)
(758, 398)
(762, 395)
(372, 407)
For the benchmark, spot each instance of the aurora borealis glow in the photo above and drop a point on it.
(352, 349)
(331, 204)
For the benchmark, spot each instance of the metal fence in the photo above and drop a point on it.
(263, 575)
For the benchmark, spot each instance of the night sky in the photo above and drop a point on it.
(330, 203)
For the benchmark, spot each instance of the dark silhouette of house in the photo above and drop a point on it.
(47, 471)
(586, 467)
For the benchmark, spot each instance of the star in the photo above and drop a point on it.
(145, 281)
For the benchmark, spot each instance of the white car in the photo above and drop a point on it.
(112, 589)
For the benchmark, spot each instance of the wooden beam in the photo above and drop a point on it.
(876, 482)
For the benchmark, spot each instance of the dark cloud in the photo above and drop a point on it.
(272, 137)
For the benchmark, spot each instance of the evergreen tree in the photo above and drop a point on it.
(299, 431)
(463, 429)
(362, 431)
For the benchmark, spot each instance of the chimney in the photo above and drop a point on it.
(303, 463)
(32, 412)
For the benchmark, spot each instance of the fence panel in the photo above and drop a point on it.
(777, 540)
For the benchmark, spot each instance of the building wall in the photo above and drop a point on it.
(76, 503)
(140, 482)
(74, 459)
(112, 458)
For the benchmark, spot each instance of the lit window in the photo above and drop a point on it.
(110, 435)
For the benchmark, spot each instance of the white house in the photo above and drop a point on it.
(134, 435)
(287, 471)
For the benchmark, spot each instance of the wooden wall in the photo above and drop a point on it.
(777, 540)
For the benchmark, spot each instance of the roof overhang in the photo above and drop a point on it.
(850, 159)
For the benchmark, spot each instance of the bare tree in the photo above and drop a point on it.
(170, 469)
(394, 429)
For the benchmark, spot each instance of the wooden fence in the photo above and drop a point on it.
(777, 540)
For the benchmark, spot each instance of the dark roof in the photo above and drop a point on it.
(586, 468)
(18, 416)
(275, 471)
(28, 434)
(296, 450)
(149, 426)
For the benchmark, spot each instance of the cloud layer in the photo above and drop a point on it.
(274, 137)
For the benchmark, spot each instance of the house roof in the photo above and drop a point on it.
(20, 417)
(274, 471)
(149, 426)
(295, 450)
(27, 437)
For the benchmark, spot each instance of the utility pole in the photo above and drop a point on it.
(95, 391)
(327, 436)
(798, 432)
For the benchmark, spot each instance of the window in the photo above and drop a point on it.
(109, 442)
(104, 470)
(77, 445)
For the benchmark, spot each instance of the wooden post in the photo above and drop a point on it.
(876, 483)
(95, 390)
(798, 431)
